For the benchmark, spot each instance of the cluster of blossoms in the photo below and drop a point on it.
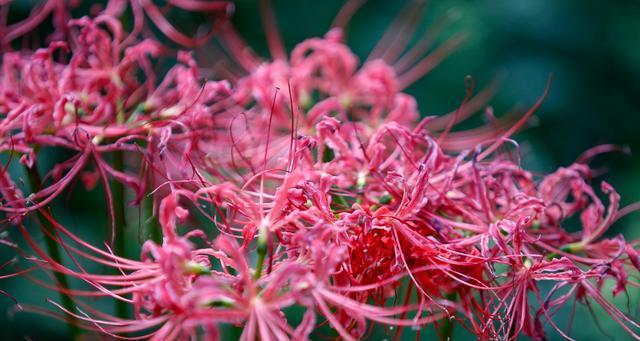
(328, 193)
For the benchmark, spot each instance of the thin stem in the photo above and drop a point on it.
(119, 222)
(151, 223)
(446, 327)
(262, 253)
(48, 230)
(342, 201)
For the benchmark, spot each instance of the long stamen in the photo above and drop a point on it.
(276, 47)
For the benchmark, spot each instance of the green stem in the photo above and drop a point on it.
(446, 327)
(262, 251)
(341, 201)
(152, 226)
(117, 189)
(48, 230)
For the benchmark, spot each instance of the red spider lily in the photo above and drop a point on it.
(94, 104)
(59, 10)
(327, 193)
(176, 290)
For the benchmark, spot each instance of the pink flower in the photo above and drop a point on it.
(326, 191)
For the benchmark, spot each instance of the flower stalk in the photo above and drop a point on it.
(261, 249)
(446, 325)
(120, 222)
(53, 250)
(152, 227)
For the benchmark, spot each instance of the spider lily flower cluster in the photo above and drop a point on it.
(327, 191)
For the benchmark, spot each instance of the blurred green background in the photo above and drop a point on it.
(591, 47)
